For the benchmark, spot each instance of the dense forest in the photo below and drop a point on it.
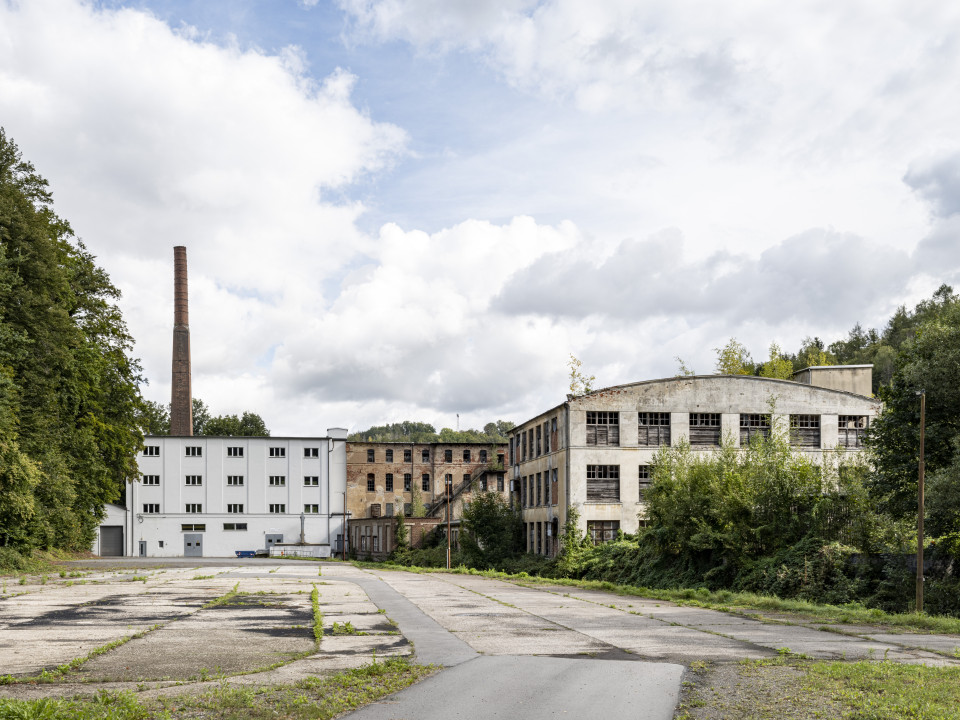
(69, 389)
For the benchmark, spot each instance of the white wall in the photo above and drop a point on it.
(172, 495)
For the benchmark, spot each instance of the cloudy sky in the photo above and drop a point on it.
(409, 209)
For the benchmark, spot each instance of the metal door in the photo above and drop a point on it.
(143, 548)
(273, 540)
(111, 540)
(193, 545)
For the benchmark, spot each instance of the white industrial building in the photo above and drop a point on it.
(213, 496)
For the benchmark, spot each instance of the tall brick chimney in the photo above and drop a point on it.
(181, 396)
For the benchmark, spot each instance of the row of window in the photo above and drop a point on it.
(232, 508)
(425, 455)
(653, 429)
(232, 451)
(537, 440)
(236, 480)
(535, 490)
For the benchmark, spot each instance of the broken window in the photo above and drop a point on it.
(408, 456)
(805, 431)
(704, 429)
(388, 482)
(603, 428)
(448, 456)
(483, 456)
(653, 429)
(370, 455)
(388, 455)
(425, 455)
(754, 425)
(546, 438)
(466, 456)
(425, 482)
(539, 441)
(603, 483)
(371, 482)
(407, 482)
(644, 476)
(851, 429)
(601, 531)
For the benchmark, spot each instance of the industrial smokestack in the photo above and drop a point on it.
(181, 395)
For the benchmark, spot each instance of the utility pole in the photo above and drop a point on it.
(920, 510)
(449, 484)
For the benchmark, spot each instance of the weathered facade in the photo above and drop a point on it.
(376, 538)
(594, 452)
(385, 477)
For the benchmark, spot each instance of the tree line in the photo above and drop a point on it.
(420, 432)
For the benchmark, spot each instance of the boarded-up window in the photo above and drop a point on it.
(603, 483)
(754, 425)
(644, 477)
(374, 510)
(653, 429)
(601, 531)
(704, 429)
(603, 428)
(805, 430)
(851, 429)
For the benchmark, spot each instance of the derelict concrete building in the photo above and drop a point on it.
(594, 452)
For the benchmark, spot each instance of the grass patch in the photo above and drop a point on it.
(317, 615)
(346, 628)
(103, 706)
(316, 698)
(203, 577)
(223, 599)
(887, 690)
(725, 600)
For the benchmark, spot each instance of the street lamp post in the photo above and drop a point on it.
(449, 487)
(920, 509)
